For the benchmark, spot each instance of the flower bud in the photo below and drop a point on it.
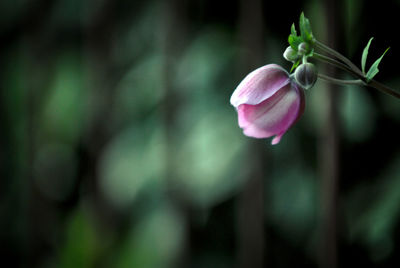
(268, 102)
(303, 48)
(290, 54)
(306, 75)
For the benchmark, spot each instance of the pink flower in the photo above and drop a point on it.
(268, 102)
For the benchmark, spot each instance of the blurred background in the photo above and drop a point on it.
(119, 148)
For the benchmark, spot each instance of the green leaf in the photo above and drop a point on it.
(374, 68)
(293, 30)
(305, 28)
(294, 66)
(295, 41)
(364, 55)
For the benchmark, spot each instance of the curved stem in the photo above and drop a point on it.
(350, 68)
(358, 82)
(336, 63)
(375, 84)
(339, 56)
(304, 59)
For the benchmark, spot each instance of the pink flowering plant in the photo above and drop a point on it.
(270, 100)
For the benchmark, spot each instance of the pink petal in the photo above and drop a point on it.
(259, 85)
(273, 116)
(277, 139)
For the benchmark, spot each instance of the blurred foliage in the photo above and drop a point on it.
(81, 242)
(119, 148)
(375, 223)
(155, 242)
(357, 112)
(63, 106)
(132, 162)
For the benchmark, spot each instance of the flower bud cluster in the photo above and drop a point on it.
(292, 55)
(303, 49)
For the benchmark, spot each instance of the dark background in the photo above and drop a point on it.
(119, 148)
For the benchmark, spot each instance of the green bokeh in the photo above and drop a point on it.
(119, 147)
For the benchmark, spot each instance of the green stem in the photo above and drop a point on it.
(304, 59)
(351, 68)
(375, 84)
(339, 56)
(358, 82)
(336, 63)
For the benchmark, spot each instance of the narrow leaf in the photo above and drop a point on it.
(294, 41)
(365, 55)
(302, 26)
(293, 30)
(294, 66)
(374, 68)
(305, 28)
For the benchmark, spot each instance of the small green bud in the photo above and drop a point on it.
(306, 75)
(303, 48)
(290, 54)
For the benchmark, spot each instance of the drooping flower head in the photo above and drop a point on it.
(268, 102)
